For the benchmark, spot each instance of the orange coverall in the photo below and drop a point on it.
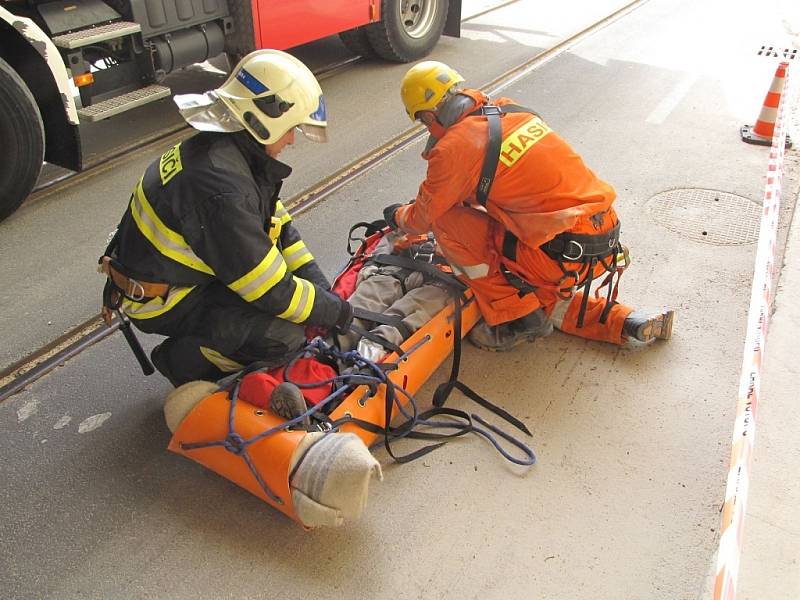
(541, 188)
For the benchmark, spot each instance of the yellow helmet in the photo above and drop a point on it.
(425, 84)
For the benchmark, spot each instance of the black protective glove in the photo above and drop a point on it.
(344, 319)
(389, 215)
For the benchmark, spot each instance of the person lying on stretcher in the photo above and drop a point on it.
(401, 298)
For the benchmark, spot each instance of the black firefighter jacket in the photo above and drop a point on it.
(208, 210)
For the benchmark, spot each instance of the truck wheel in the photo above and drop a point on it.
(408, 29)
(357, 42)
(22, 133)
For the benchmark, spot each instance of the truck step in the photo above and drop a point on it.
(119, 104)
(85, 37)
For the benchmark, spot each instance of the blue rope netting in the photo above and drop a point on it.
(361, 371)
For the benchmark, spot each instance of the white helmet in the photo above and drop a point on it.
(268, 93)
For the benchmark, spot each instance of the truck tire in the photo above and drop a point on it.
(22, 132)
(357, 42)
(408, 29)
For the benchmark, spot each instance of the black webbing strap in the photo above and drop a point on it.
(443, 391)
(613, 287)
(417, 265)
(510, 242)
(489, 168)
(370, 228)
(581, 247)
(587, 287)
(407, 430)
(395, 321)
(492, 157)
(523, 287)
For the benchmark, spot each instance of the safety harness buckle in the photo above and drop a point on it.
(573, 257)
(424, 252)
(135, 290)
(566, 292)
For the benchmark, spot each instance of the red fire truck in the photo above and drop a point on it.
(116, 54)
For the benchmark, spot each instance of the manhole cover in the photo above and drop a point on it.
(707, 216)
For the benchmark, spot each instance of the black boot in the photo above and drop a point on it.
(647, 327)
(503, 337)
(160, 359)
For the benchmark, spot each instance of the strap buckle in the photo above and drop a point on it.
(490, 109)
(135, 290)
(423, 252)
(570, 257)
(567, 292)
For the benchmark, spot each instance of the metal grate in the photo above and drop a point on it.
(119, 104)
(775, 52)
(85, 37)
(707, 216)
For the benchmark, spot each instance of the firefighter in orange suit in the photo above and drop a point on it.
(519, 216)
(205, 253)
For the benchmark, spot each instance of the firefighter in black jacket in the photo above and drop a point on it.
(206, 254)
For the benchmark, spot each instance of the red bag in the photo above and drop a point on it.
(256, 388)
(310, 370)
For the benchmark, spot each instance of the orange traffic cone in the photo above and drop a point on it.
(761, 133)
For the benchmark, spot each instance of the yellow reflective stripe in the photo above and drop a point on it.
(297, 255)
(282, 213)
(223, 363)
(156, 306)
(168, 242)
(262, 278)
(302, 301)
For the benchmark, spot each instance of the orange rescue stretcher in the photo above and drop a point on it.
(253, 447)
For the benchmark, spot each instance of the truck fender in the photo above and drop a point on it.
(39, 40)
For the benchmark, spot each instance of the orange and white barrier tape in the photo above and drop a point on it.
(744, 431)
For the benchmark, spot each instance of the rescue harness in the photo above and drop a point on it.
(569, 250)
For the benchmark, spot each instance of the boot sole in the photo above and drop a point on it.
(657, 328)
(286, 404)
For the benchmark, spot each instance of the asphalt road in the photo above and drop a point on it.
(632, 443)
